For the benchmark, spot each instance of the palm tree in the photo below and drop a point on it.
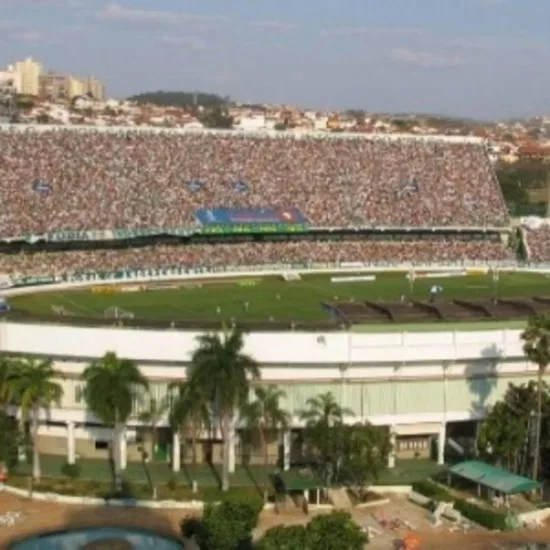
(265, 415)
(323, 415)
(323, 409)
(6, 376)
(151, 417)
(112, 384)
(34, 386)
(221, 370)
(536, 347)
(190, 409)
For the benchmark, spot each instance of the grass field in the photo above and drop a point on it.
(264, 299)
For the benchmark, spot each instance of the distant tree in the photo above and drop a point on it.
(358, 115)
(43, 118)
(187, 100)
(280, 126)
(216, 117)
(519, 179)
(24, 102)
(536, 347)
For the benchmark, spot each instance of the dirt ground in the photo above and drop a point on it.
(44, 516)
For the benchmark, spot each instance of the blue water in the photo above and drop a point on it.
(73, 540)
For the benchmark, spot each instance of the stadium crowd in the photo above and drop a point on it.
(63, 180)
(537, 239)
(249, 254)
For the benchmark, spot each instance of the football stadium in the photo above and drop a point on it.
(383, 269)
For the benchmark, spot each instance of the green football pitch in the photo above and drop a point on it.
(272, 298)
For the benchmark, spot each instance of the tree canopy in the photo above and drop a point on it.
(188, 100)
(506, 437)
(336, 531)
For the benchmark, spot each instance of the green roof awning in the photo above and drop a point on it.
(493, 477)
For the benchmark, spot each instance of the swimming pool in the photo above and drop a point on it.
(98, 539)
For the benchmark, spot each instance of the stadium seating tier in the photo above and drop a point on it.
(64, 180)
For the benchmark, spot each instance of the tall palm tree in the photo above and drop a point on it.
(265, 415)
(34, 384)
(536, 338)
(190, 411)
(221, 370)
(111, 385)
(151, 416)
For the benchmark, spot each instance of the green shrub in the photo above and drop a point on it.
(486, 518)
(72, 471)
(226, 525)
(336, 531)
(291, 537)
(482, 516)
(432, 490)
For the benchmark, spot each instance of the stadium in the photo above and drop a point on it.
(383, 269)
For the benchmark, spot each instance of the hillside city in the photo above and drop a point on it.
(48, 96)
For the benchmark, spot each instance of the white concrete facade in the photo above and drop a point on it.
(416, 383)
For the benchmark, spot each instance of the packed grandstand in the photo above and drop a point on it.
(87, 200)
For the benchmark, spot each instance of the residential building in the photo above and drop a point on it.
(28, 76)
(54, 86)
(94, 87)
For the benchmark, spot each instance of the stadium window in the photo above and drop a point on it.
(100, 445)
(78, 394)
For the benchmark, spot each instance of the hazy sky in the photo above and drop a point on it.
(479, 58)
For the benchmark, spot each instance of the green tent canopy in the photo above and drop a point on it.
(493, 477)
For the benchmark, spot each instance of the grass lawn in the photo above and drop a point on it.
(262, 299)
(404, 473)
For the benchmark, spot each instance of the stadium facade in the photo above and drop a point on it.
(428, 387)
(89, 204)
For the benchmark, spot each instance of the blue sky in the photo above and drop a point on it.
(479, 58)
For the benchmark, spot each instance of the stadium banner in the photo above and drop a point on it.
(251, 219)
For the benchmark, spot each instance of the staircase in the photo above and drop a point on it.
(340, 499)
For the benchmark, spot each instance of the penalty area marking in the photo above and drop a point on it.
(87, 310)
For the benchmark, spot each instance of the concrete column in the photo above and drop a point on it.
(123, 450)
(176, 452)
(232, 443)
(287, 449)
(442, 438)
(71, 449)
(393, 442)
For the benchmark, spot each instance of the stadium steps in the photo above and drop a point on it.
(431, 309)
(474, 306)
(382, 309)
(340, 499)
(525, 307)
